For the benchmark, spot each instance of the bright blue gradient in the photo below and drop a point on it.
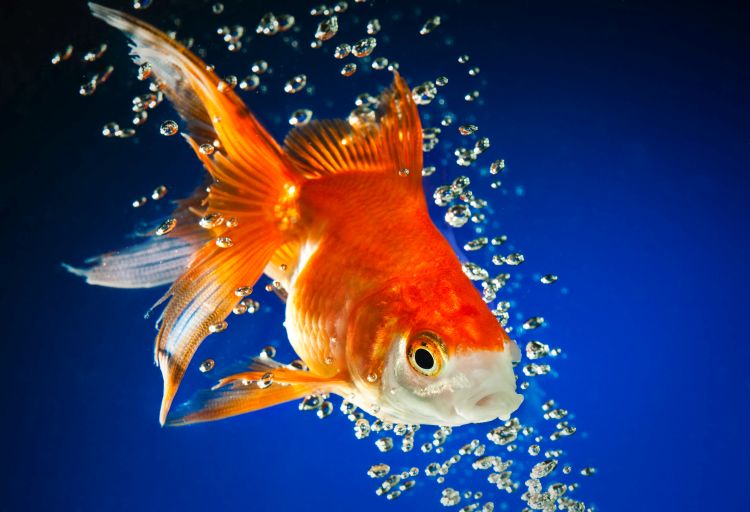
(625, 125)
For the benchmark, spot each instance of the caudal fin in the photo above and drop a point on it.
(253, 192)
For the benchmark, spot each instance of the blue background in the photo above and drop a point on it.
(625, 129)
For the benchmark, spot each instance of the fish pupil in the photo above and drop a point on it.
(424, 359)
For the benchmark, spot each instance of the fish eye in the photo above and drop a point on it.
(426, 353)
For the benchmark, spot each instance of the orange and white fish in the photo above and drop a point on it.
(378, 306)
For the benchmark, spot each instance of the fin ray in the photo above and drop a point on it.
(387, 145)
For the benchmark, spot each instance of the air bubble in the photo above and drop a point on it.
(168, 128)
(300, 117)
(430, 25)
(207, 365)
(548, 279)
(166, 226)
(295, 84)
(327, 28)
(364, 47)
(349, 69)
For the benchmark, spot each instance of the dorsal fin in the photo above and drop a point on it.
(388, 144)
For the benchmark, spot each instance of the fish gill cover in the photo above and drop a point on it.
(294, 65)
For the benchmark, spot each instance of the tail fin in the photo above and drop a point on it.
(253, 188)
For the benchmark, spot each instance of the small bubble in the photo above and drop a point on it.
(467, 129)
(588, 471)
(266, 380)
(474, 71)
(450, 497)
(325, 410)
(424, 93)
(217, 8)
(95, 54)
(268, 352)
(259, 67)
(243, 291)
(548, 279)
(63, 55)
(159, 192)
(544, 468)
(227, 84)
(476, 244)
(364, 47)
(268, 25)
(286, 21)
(144, 71)
(349, 69)
(168, 128)
(536, 350)
(497, 166)
(429, 171)
(533, 369)
(327, 28)
(441, 81)
(300, 117)
(110, 129)
(533, 323)
(140, 117)
(207, 365)
(463, 59)
(475, 272)
(471, 96)
(403, 172)
(380, 63)
(207, 149)
(373, 26)
(515, 258)
(139, 202)
(457, 215)
(224, 242)
(217, 327)
(384, 444)
(378, 471)
(342, 51)
(166, 226)
(250, 82)
(295, 84)
(430, 25)
(211, 220)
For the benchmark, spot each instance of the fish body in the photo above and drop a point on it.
(377, 304)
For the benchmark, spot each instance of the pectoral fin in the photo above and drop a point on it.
(250, 391)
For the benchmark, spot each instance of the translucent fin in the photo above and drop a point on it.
(157, 261)
(241, 393)
(390, 145)
(253, 189)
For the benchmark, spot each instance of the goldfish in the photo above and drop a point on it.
(377, 305)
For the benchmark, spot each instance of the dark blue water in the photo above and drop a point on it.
(625, 129)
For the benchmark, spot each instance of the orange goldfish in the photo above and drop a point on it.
(377, 304)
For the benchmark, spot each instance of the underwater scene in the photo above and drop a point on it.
(376, 255)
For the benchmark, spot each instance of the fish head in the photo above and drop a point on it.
(436, 355)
